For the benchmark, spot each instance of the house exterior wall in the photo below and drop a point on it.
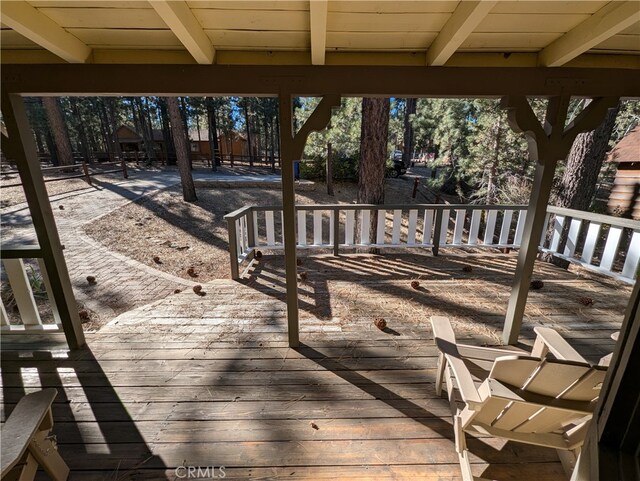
(625, 195)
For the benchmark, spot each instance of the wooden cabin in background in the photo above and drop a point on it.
(624, 199)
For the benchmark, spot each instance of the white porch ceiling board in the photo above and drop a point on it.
(606, 22)
(379, 41)
(136, 18)
(508, 42)
(547, 6)
(302, 5)
(37, 27)
(11, 39)
(252, 19)
(266, 40)
(530, 22)
(116, 38)
(386, 22)
(385, 6)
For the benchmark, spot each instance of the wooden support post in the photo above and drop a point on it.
(251, 231)
(21, 147)
(547, 145)
(291, 148)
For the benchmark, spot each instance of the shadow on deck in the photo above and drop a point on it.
(209, 381)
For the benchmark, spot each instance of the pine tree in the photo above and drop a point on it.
(59, 130)
(182, 150)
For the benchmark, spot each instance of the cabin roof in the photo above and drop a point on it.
(628, 149)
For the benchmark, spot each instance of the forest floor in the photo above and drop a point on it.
(194, 235)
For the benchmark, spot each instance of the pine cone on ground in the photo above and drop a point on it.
(380, 323)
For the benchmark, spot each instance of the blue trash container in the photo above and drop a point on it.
(296, 169)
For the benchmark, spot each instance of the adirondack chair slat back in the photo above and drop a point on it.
(563, 380)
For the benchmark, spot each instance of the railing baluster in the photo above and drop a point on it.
(238, 225)
(572, 238)
(349, 227)
(382, 221)
(256, 237)
(336, 231)
(505, 230)
(366, 227)
(490, 228)
(558, 225)
(475, 227)
(331, 227)
(317, 227)
(302, 228)
(251, 229)
(444, 227)
(413, 222)
(522, 217)
(590, 243)
(47, 286)
(397, 223)
(427, 229)
(633, 256)
(22, 293)
(611, 247)
(458, 229)
(282, 227)
(270, 226)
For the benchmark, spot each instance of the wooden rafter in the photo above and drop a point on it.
(180, 19)
(39, 28)
(606, 22)
(462, 22)
(318, 17)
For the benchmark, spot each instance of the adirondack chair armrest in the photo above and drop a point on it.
(548, 340)
(445, 340)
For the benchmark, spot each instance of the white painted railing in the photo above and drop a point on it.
(344, 226)
(605, 244)
(601, 243)
(17, 274)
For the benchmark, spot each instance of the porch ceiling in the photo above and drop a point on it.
(451, 33)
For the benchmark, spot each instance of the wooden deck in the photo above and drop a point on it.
(209, 381)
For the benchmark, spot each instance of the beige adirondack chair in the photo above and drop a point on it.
(524, 398)
(26, 442)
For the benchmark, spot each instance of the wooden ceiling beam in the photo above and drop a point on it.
(37, 27)
(464, 20)
(606, 22)
(180, 19)
(316, 80)
(318, 17)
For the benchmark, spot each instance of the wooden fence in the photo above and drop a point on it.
(83, 166)
(435, 226)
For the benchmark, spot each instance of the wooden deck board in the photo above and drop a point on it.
(210, 381)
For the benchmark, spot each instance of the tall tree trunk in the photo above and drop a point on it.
(245, 104)
(113, 120)
(82, 133)
(492, 183)
(212, 129)
(169, 147)
(182, 150)
(373, 154)
(578, 184)
(580, 178)
(407, 150)
(59, 130)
